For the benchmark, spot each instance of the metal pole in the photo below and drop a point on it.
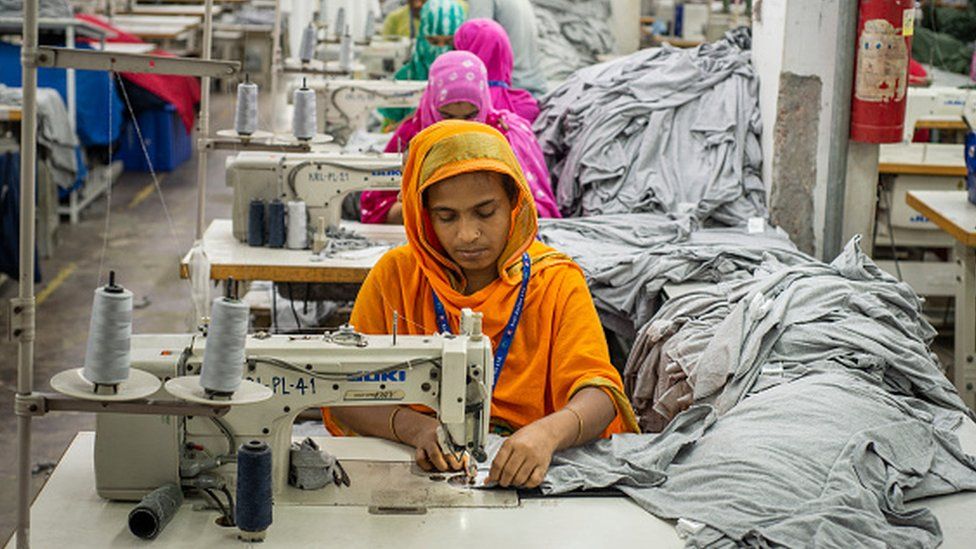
(72, 89)
(25, 346)
(204, 128)
(840, 124)
(275, 63)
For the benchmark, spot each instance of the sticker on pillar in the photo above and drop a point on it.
(908, 22)
(882, 63)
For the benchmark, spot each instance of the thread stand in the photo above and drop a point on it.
(139, 385)
(188, 388)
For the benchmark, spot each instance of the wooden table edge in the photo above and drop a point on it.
(284, 273)
(895, 168)
(957, 232)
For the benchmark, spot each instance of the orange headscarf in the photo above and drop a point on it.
(558, 348)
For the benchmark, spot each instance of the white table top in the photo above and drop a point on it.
(232, 258)
(165, 20)
(172, 9)
(923, 159)
(950, 210)
(68, 513)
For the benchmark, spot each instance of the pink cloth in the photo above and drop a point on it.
(455, 77)
(489, 41)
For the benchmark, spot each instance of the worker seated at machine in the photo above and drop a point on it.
(471, 225)
(458, 89)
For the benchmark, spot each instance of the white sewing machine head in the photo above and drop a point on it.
(938, 104)
(321, 180)
(346, 105)
(383, 55)
(135, 454)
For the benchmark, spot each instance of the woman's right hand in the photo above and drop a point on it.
(424, 438)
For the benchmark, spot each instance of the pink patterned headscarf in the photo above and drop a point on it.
(454, 77)
(489, 41)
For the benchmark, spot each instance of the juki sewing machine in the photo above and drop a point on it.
(939, 105)
(135, 454)
(321, 180)
(383, 55)
(346, 105)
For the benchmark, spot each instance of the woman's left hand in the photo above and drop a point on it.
(523, 458)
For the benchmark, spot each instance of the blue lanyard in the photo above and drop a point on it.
(498, 84)
(502, 351)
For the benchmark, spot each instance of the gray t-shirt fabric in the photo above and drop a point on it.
(819, 411)
(59, 9)
(572, 35)
(660, 130)
(826, 460)
(54, 132)
(628, 258)
(519, 20)
(721, 338)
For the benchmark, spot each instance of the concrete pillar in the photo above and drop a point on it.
(803, 52)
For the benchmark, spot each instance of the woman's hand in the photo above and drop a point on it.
(524, 457)
(428, 454)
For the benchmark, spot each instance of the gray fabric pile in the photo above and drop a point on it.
(54, 133)
(47, 8)
(819, 411)
(572, 33)
(661, 130)
(720, 340)
(629, 258)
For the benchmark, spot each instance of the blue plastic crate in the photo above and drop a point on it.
(167, 142)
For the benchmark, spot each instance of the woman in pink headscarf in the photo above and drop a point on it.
(489, 41)
(457, 88)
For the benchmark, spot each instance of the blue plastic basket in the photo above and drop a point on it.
(166, 139)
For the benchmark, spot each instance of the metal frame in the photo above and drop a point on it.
(23, 308)
(964, 374)
(130, 62)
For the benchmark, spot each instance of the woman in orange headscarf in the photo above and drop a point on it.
(471, 226)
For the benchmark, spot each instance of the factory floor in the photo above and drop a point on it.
(144, 251)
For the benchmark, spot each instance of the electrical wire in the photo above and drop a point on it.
(291, 302)
(891, 236)
(229, 435)
(109, 185)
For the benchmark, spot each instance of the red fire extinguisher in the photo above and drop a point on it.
(884, 48)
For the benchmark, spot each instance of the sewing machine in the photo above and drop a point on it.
(383, 55)
(909, 166)
(939, 106)
(346, 105)
(135, 454)
(322, 180)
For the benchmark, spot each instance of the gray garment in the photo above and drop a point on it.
(826, 460)
(723, 338)
(519, 21)
(661, 130)
(54, 133)
(46, 8)
(628, 258)
(572, 34)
